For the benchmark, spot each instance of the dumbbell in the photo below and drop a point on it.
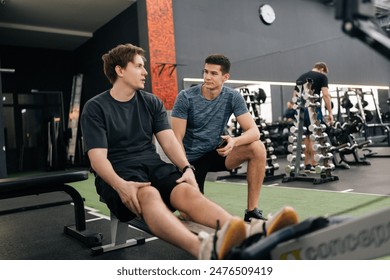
(272, 158)
(296, 106)
(314, 137)
(314, 127)
(263, 125)
(267, 142)
(322, 168)
(270, 150)
(291, 168)
(311, 96)
(294, 129)
(321, 157)
(317, 147)
(264, 133)
(313, 104)
(274, 166)
(293, 148)
(293, 139)
(314, 96)
(291, 157)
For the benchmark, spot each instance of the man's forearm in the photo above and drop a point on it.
(248, 137)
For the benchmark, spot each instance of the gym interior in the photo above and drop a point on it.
(50, 65)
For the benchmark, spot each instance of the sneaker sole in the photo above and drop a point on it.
(235, 234)
(287, 216)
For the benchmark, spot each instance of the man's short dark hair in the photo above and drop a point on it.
(121, 55)
(219, 59)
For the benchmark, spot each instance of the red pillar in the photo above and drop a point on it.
(162, 52)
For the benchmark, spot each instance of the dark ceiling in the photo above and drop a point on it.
(55, 24)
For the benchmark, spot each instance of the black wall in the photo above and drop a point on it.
(122, 29)
(305, 31)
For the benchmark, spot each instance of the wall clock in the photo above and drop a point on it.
(267, 14)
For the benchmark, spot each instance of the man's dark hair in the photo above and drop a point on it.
(121, 55)
(219, 59)
(321, 66)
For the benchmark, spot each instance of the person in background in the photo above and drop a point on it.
(290, 113)
(318, 76)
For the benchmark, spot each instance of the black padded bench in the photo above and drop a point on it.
(54, 182)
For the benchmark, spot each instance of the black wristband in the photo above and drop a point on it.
(188, 166)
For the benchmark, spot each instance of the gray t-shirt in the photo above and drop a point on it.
(206, 119)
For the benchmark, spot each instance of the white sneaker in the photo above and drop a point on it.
(284, 217)
(218, 245)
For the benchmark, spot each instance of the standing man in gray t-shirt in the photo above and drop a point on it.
(199, 117)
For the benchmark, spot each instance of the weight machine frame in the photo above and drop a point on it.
(326, 238)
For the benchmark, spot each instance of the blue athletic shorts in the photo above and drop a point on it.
(306, 120)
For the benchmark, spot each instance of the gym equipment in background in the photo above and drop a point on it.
(254, 100)
(54, 182)
(73, 121)
(3, 163)
(307, 99)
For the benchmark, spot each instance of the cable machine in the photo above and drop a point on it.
(3, 162)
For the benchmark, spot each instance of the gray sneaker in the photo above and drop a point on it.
(218, 245)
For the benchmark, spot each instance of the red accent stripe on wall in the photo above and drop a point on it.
(162, 50)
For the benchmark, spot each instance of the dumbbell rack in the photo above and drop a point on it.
(306, 99)
(271, 159)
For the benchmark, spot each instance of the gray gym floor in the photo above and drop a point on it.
(38, 234)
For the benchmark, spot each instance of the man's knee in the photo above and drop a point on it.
(184, 191)
(148, 194)
(257, 150)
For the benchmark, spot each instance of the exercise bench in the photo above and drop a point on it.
(120, 231)
(119, 235)
(54, 182)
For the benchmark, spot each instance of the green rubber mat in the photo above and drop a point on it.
(232, 196)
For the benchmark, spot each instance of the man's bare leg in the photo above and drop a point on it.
(255, 155)
(164, 224)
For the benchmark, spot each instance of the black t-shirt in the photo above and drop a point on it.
(320, 80)
(124, 128)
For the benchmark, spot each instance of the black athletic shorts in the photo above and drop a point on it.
(162, 176)
(210, 162)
